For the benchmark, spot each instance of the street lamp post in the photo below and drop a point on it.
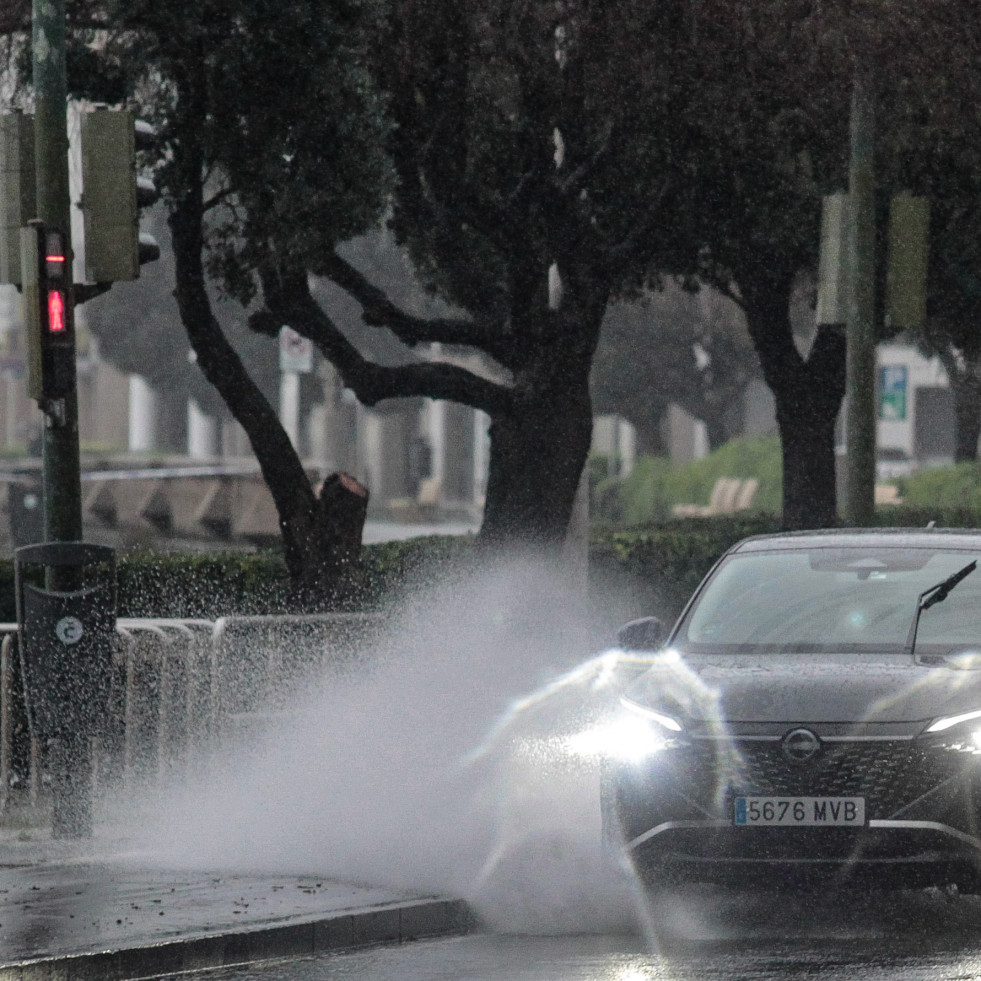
(860, 310)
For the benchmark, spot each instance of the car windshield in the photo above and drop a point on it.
(842, 599)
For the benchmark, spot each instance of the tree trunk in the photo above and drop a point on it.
(333, 551)
(967, 413)
(807, 439)
(540, 443)
(808, 396)
(321, 534)
(538, 450)
(808, 402)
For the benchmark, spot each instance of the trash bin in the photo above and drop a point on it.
(65, 636)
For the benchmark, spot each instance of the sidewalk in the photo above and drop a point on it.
(64, 914)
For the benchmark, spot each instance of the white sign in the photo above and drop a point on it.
(295, 352)
(69, 630)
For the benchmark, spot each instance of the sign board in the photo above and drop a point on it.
(832, 297)
(893, 392)
(18, 196)
(909, 255)
(295, 352)
(109, 208)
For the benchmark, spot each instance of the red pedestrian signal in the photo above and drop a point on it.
(45, 261)
(56, 312)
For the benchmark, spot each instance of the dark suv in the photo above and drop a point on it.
(816, 711)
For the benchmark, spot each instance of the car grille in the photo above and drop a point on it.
(889, 775)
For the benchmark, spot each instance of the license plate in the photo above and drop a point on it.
(798, 812)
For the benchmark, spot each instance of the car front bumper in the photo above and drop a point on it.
(673, 814)
(897, 853)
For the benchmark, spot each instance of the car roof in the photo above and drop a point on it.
(967, 539)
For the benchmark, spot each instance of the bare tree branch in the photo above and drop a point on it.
(218, 198)
(288, 298)
(379, 311)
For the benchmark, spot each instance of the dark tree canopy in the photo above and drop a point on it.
(674, 345)
(538, 161)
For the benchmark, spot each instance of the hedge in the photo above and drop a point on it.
(163, 584)
(660, 565)
(647, 569)
(954, 487)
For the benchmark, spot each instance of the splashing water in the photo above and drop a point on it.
(444, 763)
(461, 756)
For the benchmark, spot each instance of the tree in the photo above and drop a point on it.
(765, 132)
(585, 144)
(135, 322)
(937, 156)
(674, 345)
(517, 145)
(240, 83)
(548, 158)
(768, 136)
(247, 122)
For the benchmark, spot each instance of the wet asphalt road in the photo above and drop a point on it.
(702, 937)
(602, 958)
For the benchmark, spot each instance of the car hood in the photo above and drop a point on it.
(806, 688)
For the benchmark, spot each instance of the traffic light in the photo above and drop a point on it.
(909, 256)
(113, 193)
(145, 138)
(46, 272)
(18, 200)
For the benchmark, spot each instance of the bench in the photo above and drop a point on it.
(729, 494)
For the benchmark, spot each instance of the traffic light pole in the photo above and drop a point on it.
(61, 460)
(69, 758)
(860, 423)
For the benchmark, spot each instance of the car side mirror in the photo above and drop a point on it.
(645, 634)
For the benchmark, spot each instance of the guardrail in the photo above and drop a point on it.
(181, 687)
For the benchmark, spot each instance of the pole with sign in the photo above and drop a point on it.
(295, 359)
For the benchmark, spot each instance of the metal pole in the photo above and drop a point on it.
(69, 757)
(860, 430)
(61, 466)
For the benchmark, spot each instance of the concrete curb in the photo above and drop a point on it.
(386, 923)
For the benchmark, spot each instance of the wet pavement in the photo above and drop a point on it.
(65, 915)
(614, 958)
(700, 934)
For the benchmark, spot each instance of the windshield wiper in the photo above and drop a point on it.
(932, 596)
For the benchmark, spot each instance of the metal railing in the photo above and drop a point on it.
(179, 688)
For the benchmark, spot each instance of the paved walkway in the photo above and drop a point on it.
(65, 915)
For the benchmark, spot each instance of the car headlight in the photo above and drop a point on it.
(633, 736)
(961, 733)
